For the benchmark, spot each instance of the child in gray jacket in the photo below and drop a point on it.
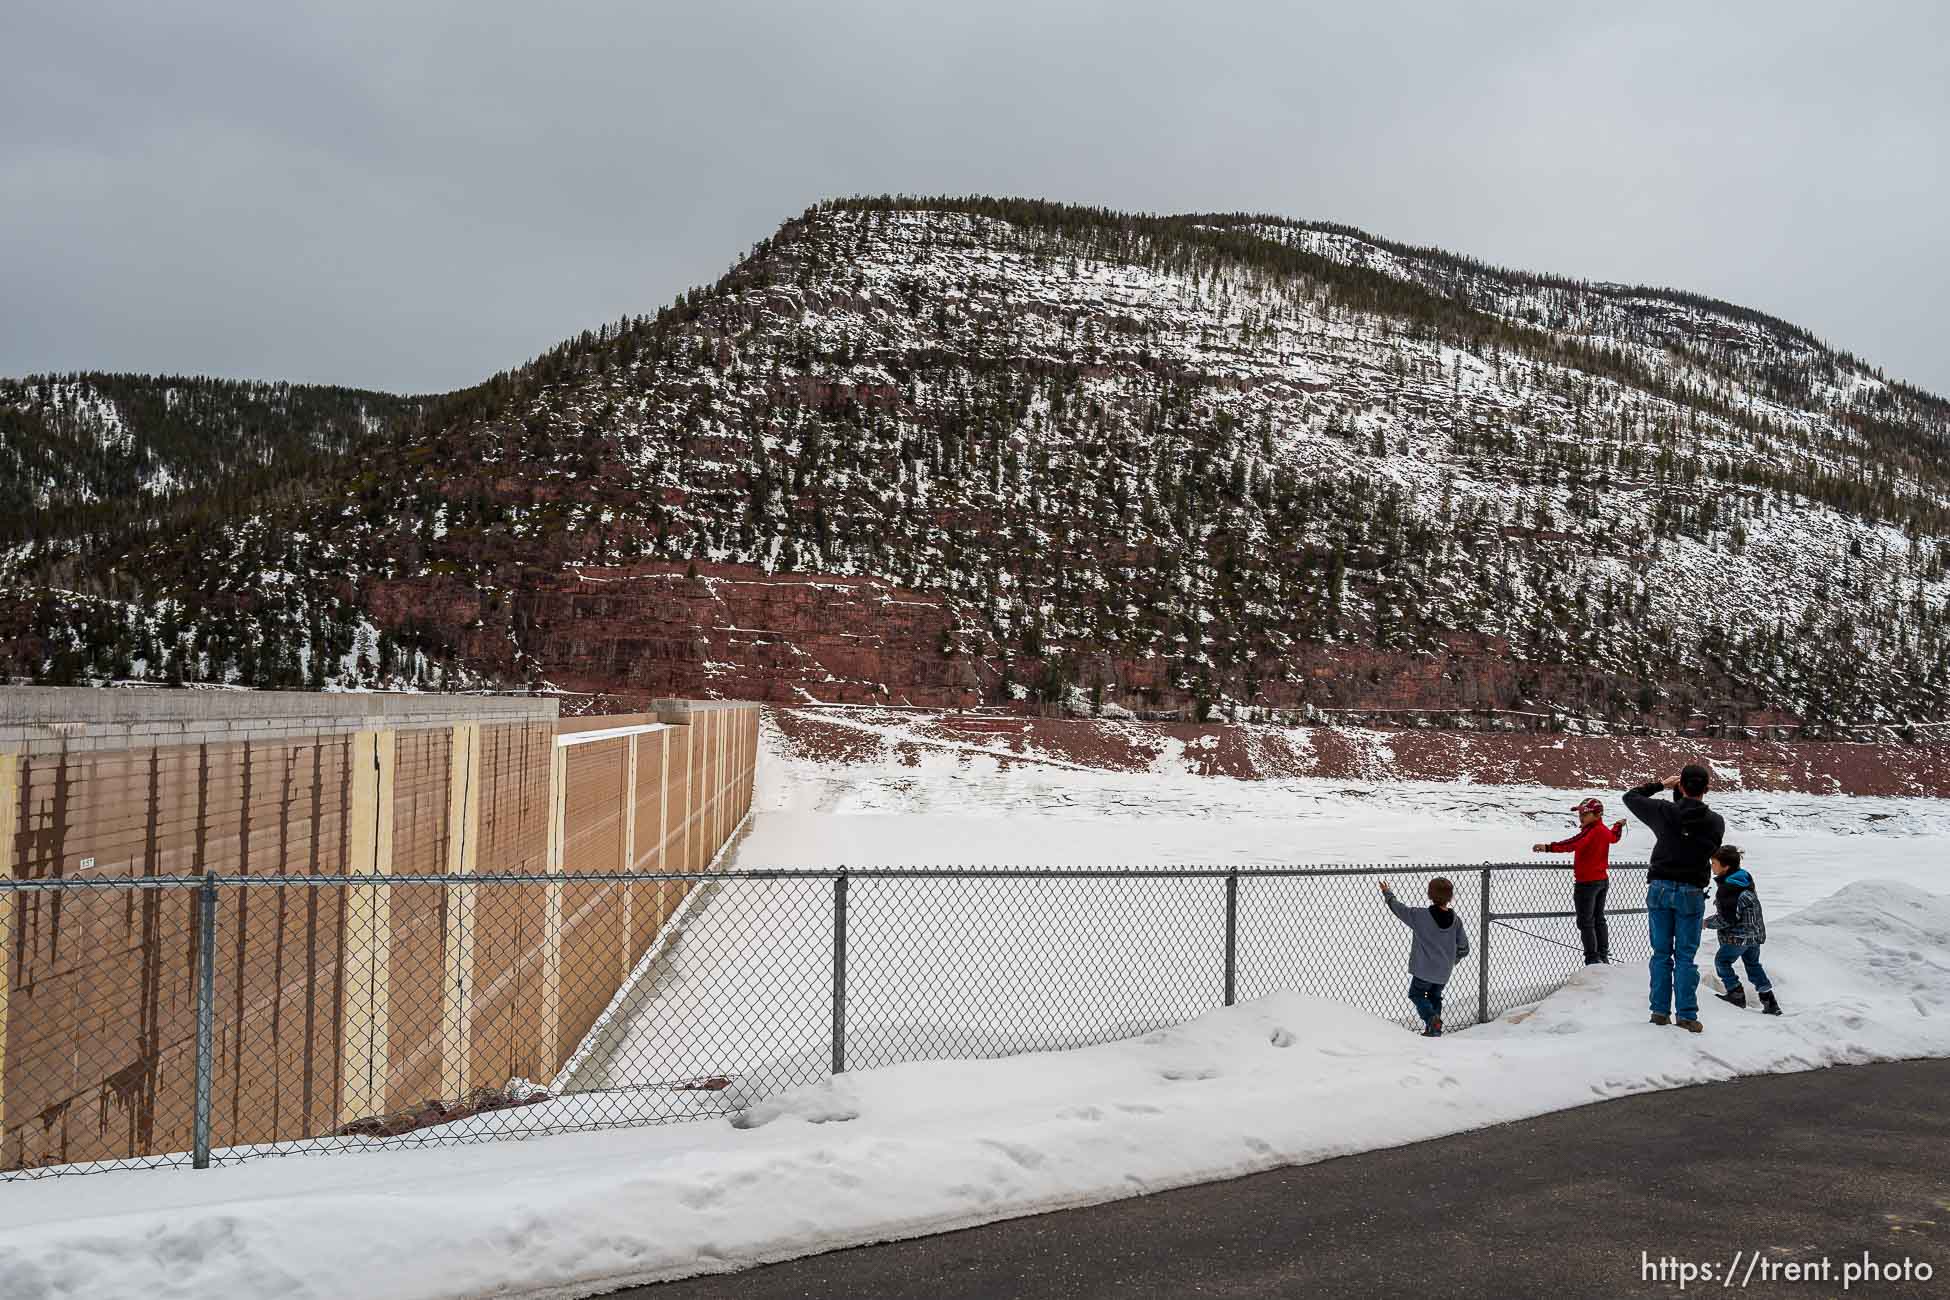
(1440, 941)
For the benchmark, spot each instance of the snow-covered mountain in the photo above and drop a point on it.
(966, 450)
(84, 449)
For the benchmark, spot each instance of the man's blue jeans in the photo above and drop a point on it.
(1749, 954)
(1674, 916)
(1427, 998)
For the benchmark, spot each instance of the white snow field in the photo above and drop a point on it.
(969, 808)
(1859, 949)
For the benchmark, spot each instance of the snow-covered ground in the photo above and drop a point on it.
(982, 968)
(971, 809)
(928, 1146)
(1859, 949)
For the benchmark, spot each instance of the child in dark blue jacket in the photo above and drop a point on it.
(1742, 929)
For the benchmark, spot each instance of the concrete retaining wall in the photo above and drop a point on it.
(333, 1004)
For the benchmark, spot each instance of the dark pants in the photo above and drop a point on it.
(1427, 998)
(1588, 896)
(1749, 955)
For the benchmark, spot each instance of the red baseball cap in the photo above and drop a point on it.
(1590, 805)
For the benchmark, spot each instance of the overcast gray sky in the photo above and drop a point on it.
(413, 195)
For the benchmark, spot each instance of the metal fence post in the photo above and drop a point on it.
(839, 971)
(206, 1016)
(1483, 954)
(1232, 935)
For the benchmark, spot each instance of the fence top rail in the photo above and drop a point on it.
(363, 881)
(570, 739)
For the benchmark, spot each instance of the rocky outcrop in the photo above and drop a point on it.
(738, 632)
(729, 631)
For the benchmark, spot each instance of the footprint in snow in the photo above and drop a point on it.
(1018, 1155)
(700, 1198)
(1284, 1038)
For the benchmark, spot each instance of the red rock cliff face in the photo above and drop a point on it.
(731, 631)
(738, 632)
(628, 633)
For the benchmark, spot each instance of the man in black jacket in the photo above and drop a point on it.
(1687, 832)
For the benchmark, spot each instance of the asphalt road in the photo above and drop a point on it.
(1831, 1163)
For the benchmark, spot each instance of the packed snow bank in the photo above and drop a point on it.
(1864, 975)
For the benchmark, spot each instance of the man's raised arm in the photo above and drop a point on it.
(1643, 803)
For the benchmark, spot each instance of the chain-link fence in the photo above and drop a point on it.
(199, 1020)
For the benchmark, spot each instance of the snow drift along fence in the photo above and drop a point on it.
(667, 995)
(209, 932)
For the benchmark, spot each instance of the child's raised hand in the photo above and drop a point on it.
(1540, 848)
(1618, 827)
(1385, 889)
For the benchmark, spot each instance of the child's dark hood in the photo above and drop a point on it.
(1737, 879)
(1444, 916)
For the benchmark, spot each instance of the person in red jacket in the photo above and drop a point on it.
(1590, 851)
